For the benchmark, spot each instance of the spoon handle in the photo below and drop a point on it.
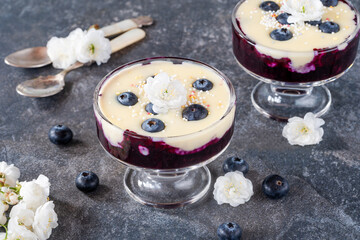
(126, 25)
(72, 67)
(126, 39)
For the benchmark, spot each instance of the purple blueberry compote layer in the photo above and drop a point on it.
(144, 152)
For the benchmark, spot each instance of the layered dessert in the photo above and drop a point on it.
(164, 113)
(298, 41)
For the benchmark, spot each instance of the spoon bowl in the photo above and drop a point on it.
(34, 57)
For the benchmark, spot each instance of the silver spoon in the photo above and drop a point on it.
(36, 57)
(45, 86)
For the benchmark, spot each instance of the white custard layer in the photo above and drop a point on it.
(179, 133)
(298, 49)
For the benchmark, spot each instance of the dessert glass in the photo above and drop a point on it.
(282, 92)
(165, 176)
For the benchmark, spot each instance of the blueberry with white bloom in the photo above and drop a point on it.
(203, 84)
(330, 3)
(194, 112)
(282, 18)
(229, 231)
(282, 34)
(60, 134)
(275, 186)
(269, 6)
(153, 125)
(314, 22)
(329, 27)
(87, 181)
(149, 108)
(235, 164)
(127, 99)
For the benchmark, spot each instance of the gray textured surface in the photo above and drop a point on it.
(324, 201)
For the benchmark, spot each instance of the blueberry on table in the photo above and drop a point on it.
(282, 34)
(203, 84)
(127, 99)
(329, 27)
(194, 112)
(282, 18)
(329, 3)
(87, 181)
(149, 108)
(269, 6)
(229, 231)
(153, 125)
(60, 134)
(314, 22)
(235, 164)
(275, 186)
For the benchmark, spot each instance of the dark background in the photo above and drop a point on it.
(323, 202)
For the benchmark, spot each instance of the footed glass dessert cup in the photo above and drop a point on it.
(164, 171)
(292, 80)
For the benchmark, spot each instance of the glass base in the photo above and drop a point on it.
(167, 190)
(283, 102)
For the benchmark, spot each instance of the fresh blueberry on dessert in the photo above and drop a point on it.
(275, 186)
(194, 112)
(149, 108)
(282, 18)
(314, 22)
(153, 125)
(127, 99)
(329, 27)
(60, 134)
(269, 6)
(330, 3)
(87, 181)
(229, 231)
(203, 84)
(282, 34)
(235, 164)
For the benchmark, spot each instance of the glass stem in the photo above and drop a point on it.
(288, 90)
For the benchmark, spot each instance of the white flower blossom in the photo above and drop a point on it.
(45, 220)
(35, 193)
(3, 208)
(9, 174)
(76, 37)
(304, 131)
(164, 93)
(9, 196)
(94, 47)
(233, 188)
(16, 230)
(303, 10)
(25, 216)
(61, 52)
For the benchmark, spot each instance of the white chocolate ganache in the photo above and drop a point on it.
(178, 132)
(257, 25)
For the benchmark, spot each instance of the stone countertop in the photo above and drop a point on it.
(324, 200)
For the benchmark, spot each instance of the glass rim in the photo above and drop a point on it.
(232, 100)
(322, 50)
